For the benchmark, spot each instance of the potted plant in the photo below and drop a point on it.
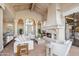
(20, 31)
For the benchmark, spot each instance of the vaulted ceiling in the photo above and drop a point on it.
(68, 6)
(40, 8)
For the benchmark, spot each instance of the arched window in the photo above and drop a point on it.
(20, 26)
(29, 27)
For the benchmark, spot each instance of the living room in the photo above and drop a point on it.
(38, 26)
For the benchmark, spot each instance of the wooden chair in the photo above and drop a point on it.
(22, 49)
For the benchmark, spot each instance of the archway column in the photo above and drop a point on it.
(1, 28)
(36, 29)
(24, 27)
(15, 21)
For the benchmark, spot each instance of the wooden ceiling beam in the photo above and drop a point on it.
(33, 6)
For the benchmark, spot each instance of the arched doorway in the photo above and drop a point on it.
(20, 26)
(30, 27)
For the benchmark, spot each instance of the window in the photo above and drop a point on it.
(29, 27)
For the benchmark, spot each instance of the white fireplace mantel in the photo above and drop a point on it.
(52, 27)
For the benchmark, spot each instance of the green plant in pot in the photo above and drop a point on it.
(39, 33)
(20, 31)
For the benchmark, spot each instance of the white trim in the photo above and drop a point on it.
(52, 27)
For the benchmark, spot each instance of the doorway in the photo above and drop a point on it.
(72, 28)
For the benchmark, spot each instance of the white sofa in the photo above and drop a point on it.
(21, 40)
(58, 48)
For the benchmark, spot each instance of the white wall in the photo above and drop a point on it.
(1, 29)
(54, 15)
(60, 23)
(51, 17)
(5, 26)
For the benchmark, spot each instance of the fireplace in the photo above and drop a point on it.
(49, 35)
